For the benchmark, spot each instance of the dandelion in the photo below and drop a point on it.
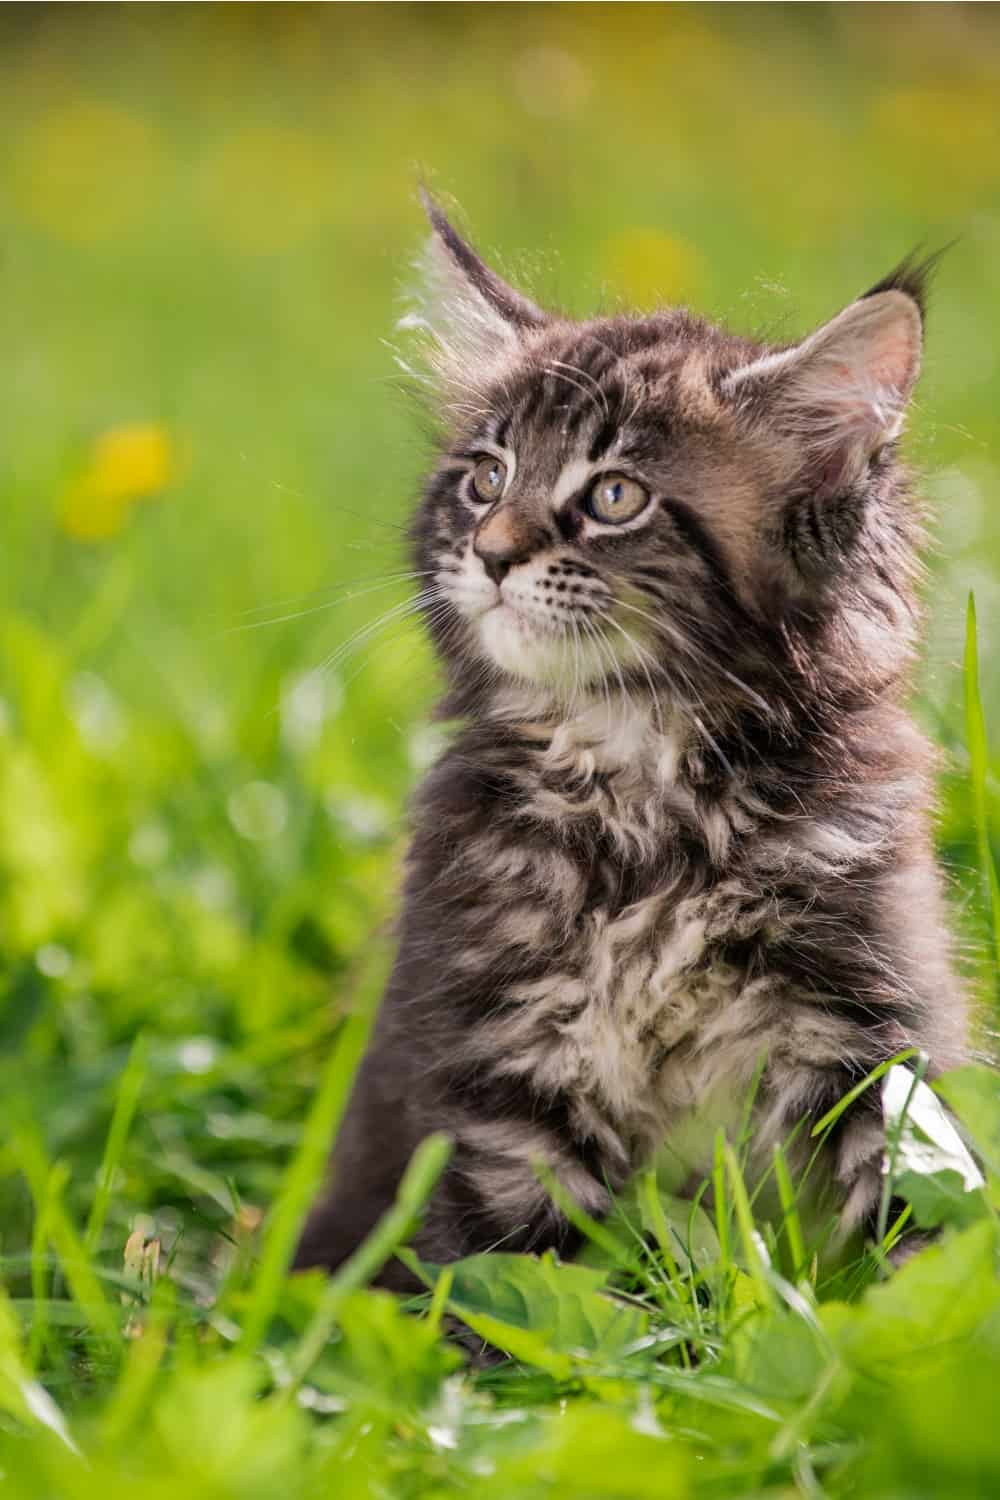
(125, 464)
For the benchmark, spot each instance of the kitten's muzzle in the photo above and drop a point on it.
(504, 539)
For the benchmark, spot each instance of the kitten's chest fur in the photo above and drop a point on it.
(628, 896)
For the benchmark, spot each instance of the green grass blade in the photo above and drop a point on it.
(129, 1090)
(46, 1183)
(748, 1233)
(40, 1271)
(142, 1365)
(392, 1230)
(893, 1137)
(720, 1197)
(833, 1115)
(975, 733)
(790, 1212)
(649, 1191)
(439, 1298)
(306, 1171)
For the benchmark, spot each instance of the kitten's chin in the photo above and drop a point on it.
(535, 652)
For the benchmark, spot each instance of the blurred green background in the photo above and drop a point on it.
(207, 218)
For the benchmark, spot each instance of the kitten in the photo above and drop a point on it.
(686, 824)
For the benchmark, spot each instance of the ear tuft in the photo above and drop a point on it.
(913, 276)
(469, 314)
(509, 304)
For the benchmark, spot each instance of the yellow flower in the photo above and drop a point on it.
(125, 464)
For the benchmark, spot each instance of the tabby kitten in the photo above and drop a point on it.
(685, 824)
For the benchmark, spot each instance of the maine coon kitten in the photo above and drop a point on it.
(685, 823)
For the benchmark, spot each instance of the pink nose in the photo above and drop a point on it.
(503, 539)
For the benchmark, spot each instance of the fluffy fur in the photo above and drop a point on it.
(684, 825)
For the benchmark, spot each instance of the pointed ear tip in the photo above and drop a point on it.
(893, 304)
(435, 213)
(887, 313)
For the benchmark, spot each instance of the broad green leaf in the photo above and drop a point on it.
(941, 1198)
(212, 1431)
(592, 1452)
(384, 1355)
(566, 1306)
(937, 1300)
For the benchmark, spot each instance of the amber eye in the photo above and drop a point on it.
(488, 478)
(616, 498)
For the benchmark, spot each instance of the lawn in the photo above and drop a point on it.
(206, 740)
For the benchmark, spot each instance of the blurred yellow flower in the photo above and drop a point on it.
(949, 128)
(86, 171)
(125, 464)
(651, 268)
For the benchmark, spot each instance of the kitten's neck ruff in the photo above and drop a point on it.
(602, 732)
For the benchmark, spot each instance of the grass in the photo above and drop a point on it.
(204, 472)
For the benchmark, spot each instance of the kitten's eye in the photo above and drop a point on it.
(616, 498)
(488, 479)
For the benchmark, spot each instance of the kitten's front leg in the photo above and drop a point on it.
(415, 1081)
(490, 1198)
(847, 1180)
(509, 1135)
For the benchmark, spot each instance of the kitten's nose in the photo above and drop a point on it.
(496, 568)
(503, 539)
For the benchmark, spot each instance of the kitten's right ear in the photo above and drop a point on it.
(843, 391)
(471, 315)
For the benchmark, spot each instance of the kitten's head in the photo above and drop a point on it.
(652, 503)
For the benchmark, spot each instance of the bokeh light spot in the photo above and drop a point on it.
(258, 811)
(86, 171)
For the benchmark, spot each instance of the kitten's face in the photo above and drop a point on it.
(573, 525)
(638, 500)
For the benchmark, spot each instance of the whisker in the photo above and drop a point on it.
(604, 646)
(678, 639)
(643, 656)
(333, 504)
(288, 600)
(343, 596)
(397, 611)
(374, 644)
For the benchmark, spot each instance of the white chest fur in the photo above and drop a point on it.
(635, 1028)
(632, 1021)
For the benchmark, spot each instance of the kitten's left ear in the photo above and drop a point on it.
(471, 314)
(843, 391)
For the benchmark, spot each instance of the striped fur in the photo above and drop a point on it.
(684, 825)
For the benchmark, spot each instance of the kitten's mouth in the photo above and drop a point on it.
(521, 615)
(533, 633)
(536, 646)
